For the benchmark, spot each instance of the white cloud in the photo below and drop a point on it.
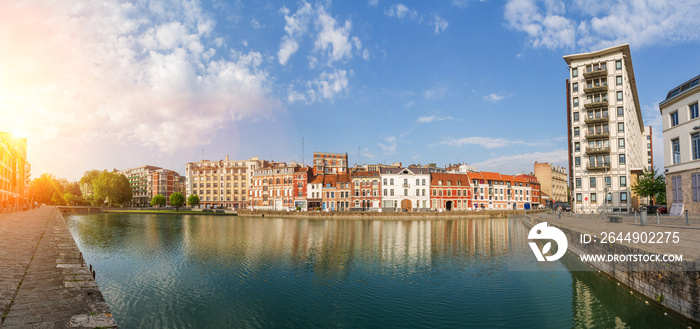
(494, 97)
(522, 163)
(401, 11)
(334, 40)
(255, 24)
(440, 24)
(590, 25)
(373, 3)
(389, 147)
(432, 118)
(436, 92)
(137, 73)
(327, 86)
(296, 26)
(488, 142)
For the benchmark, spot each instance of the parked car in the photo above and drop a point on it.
(663, 210)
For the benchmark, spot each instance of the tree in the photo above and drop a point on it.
(158, 200)
(69, 199)
(110, 187)
(177, 200)
(44, 188)
(193, 200)
(650, 184)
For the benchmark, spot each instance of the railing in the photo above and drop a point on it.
(604, 134)
(603, 119)
(598, 150)
(600, 102)
(597, 167)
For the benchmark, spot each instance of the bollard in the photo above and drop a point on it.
(635, 217)
(643, 216)
(657, 216)
(687, 223)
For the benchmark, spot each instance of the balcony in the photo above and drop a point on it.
(405, 185)
(597, 167)
(595, 88)
(598, 135)
(598, 150)
(595, 71)
(604, 119)
(601, 102)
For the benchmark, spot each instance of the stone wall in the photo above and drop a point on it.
(680, 288)
(686, 188)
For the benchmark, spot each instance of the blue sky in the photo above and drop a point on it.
(117, 85)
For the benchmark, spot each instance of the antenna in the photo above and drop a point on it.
(302, 151)
(359, 156)
(202, 158)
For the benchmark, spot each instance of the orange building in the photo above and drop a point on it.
(449, 192)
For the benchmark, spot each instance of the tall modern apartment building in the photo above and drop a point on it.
(681, 128)
(606, 133)
(221, 184)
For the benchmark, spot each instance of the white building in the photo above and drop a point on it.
(607, 145)
(222, 183)
(681, 130)
(405, 189)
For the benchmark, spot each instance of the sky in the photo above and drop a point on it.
(114, 84)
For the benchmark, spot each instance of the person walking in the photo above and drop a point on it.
(559, 212)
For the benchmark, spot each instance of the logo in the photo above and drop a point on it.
(540, 232)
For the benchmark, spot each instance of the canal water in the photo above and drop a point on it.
(172, 271)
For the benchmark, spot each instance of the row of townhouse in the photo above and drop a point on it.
(282, 186)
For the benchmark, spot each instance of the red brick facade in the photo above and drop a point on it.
(450, 192)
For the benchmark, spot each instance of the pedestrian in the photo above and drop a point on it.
(559, 212)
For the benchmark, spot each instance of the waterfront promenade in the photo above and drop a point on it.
(43, 282)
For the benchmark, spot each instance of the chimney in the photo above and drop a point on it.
(227, 158)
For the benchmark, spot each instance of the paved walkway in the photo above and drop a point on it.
(42, 281)
(688, 246)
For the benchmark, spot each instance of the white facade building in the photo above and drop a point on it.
(681, 135)
(607, 145)
(405, 189)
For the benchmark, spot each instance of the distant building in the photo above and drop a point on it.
(493, 191)
(553, 181)
(300, 192)
(607, 144)
(221, 184)
(14, 171)
(273, 186)
(366, 190)
(149, 181)
(330, 163)
(405, 189)
(681, 135)
(460, 168)
(450, 192)
(535, 189)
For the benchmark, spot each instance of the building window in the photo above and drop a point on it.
(674, 119)
(574, 72)
(621, 143)
(695, 142)
(620, 111)
(577, 147)
(620, 127)
(623, 197)
(619, 96)
(693, 110)
(594, 198)
(577, 131)
(618, 65)
(607, 181)
(695, 178)
(578, 182)
(676, 151)
(618, 80)
(578, 198)
(623, 181)
(592, 182)
(622, 159)
(575, 116)
(577, 161)
(575, 101)
(575, 87)
(676, 189)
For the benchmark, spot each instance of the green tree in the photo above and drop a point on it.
(111, 188)
(69, 199)
(177, 200)
(158, 200)
(56, 199)
(44, 188)
(193, 200)
(650, 184)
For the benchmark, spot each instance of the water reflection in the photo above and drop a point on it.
(211, 271)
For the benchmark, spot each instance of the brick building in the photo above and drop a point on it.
(273, 187)
(366, 193)
(450, 192)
